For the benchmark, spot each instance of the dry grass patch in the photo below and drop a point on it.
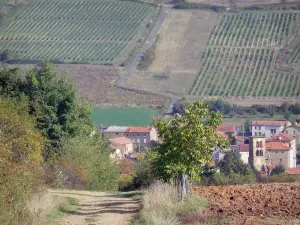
(96, 84)
(182, 39)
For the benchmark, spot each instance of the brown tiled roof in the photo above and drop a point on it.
(120, 141)
(293, 171)
(139, 129)
(226, 128)
(244, 148)
(269, 122)
(281, 137)
(277, 146)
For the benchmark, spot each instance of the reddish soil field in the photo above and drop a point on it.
(277, 203)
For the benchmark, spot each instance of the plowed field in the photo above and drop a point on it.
(254, 204)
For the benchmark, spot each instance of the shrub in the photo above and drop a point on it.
(144, 175)
(277, 170)
(281, 178)
(125, 182)
(20, 154)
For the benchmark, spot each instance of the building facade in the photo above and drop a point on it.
(268, 128)
(294, 131)
(277, 150)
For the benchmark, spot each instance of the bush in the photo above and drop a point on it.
(277, 170)
(144, 175)
(20, 168)
(125, 182)
(281, 178)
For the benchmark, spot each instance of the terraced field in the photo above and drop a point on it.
(93, 31)
(240, 58)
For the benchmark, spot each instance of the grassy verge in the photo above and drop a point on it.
(65, 205)
(161, 206)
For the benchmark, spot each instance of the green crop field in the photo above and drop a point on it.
(242, 55)
(123, 116)
(91, 31)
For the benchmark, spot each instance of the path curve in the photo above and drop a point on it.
(98, 208)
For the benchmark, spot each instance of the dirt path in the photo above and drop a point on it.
(98, 208)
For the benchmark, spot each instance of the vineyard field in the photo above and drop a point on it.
(241, 54)
(93, 31)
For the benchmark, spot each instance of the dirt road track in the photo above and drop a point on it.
(98, 208)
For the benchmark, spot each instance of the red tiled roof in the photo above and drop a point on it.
(270, 122)
(281, 137)
(222, 134)
(293, 171)
(226, 128)
(139, 129)
(120, 140)
(244, 148)
(277, 146)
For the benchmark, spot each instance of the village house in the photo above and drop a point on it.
(140, 136)
(294, 131)
(231, 130)
(244, 152)
(121, 147)
(279, 149)
(114, 131)
(268, 128)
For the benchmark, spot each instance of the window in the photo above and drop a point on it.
(145, 134)
(259, 133)
(259, 127)
(117, 133)
(145, 141)
(257, 153)
(294, 132)
(261, 144)
(281, 160)
(255, 127)
(261, 153)
(255, 133)
(273, 131)
(257, 144)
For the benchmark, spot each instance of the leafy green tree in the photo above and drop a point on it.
(232, 162)
(187, 144)
(277, 170)
(92, 155)
(11, 84)
(59, 113)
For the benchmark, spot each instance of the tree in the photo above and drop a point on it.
(232, 162)
(187, 144)
(54, 102)
(91, 154)
(11, 84)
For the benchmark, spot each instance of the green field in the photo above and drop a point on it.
(123, 116)
(92, 31)
(242, 55)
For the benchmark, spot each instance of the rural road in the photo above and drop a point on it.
(149, 42)
(98, 208)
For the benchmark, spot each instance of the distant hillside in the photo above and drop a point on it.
(94, 31)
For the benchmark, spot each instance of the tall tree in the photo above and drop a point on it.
(59, 113)
(187, 144)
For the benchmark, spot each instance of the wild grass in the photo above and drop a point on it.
(161, 205)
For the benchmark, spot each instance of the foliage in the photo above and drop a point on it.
(144, 175)
(54, 101)
(232, 162)
(188, 142)
(277, 170)
(281, 178)
(125, 182)
(230, 109)
(92, 156)
(189, 5)
(10, 83)
(148, 58)
(20, 157)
